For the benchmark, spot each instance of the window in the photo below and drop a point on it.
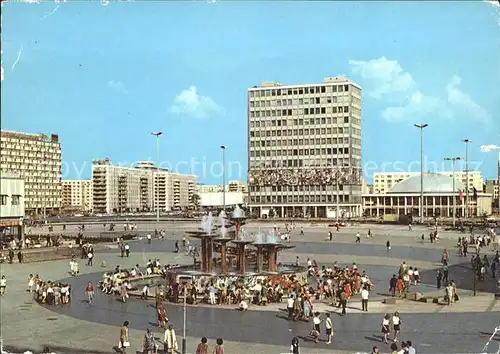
(346, 88)
(323, 89)
(3, 199)
(346, 119)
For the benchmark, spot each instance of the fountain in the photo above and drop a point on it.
(237, 219)
(240, 253)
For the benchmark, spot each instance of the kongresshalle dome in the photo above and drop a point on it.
(434, 183)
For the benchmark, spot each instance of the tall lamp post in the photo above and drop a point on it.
(467, 142)
(223, 148)
(421, 127)
(156, 184)
(453, 159)
(184, 322)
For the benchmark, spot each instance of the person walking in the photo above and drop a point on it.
(170, 340)
(124, 341)
(90, 257)
(3, 285)
(364, 299)
(89, 291)
(329, 328)
(149, 346)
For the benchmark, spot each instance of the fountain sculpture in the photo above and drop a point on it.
(240, 253)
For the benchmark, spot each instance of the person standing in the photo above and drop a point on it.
(343, 300)
(90, 257)
(124, 342)
(396, 323)
(202, 348)
(219, 348)
(329, 328)
(170, 340)
(294, 347)
(445, 272)
(364, 299)
(3, 285)
(385, 327)
(127, 250)
(388, 245)
(316, 327)
(439, 279)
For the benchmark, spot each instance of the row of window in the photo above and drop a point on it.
(301, 152)
(299, 91)
(302, 121)
(308, 142)
(302, 132)
(300, 102)
(299, 199)
(299, 112)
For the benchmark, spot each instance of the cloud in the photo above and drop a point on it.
(117, 85)
(463, 101)
(386, 75)
(388, 82)
(490, 147)
(190, 103)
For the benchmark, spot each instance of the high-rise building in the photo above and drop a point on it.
(143, 188)
(304, 149)
(77, 195)
(384, 181)
(36, 158)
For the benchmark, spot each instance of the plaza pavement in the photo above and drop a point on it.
(94, 329)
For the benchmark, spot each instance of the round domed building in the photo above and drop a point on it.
(439, 191)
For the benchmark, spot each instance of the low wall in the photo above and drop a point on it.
(45, 254)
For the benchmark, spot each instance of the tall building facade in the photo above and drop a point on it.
(384, 181)
(304, 149)
(77, 195)
(119, 189)
(36, 158)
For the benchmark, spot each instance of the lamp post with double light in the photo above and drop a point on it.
(453, 160)
(156, 181)
(467, 142)
(223, 148)
(421, 127)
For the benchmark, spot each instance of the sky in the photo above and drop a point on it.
(103, 76)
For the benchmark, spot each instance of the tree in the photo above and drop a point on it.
(195, 201)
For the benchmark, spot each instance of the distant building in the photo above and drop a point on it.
(216, 199)
(304, 149)
(12, 200)
(491, 187)
(404, 199)
(77, 195)
(384, 181)
(36, 158)
(118, 189)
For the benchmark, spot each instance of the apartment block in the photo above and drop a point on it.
(77, 195)
(36, 158)
(384, 181)
(142, 188)
(491, 187)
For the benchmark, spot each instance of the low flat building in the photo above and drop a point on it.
(404, 199)
(12, 204)
(384, 181)
(216, 199)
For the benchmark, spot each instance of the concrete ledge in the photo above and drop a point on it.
(390, 301)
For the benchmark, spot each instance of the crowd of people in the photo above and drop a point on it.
(48, 292)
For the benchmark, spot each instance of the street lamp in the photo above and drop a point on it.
(421, 127)
(184, 322)
(466, 141)
(223, 148)
(453, 159)
(156, 185)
